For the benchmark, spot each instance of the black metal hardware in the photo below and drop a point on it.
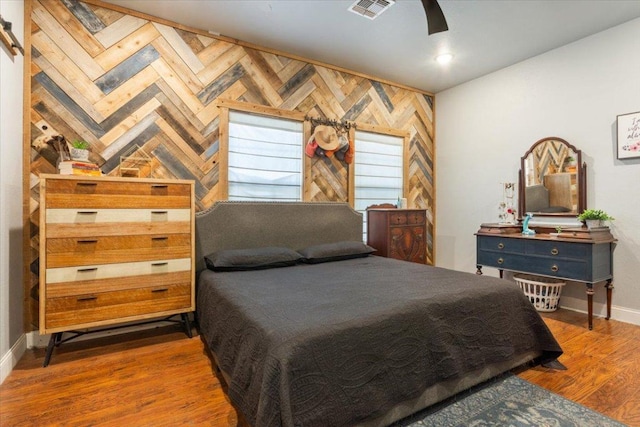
(56, 338)
(6, 26)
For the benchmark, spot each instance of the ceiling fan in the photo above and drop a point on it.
(435, 18)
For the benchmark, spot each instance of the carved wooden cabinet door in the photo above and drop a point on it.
(398, 233)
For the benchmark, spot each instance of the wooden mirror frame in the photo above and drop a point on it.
(581, 180)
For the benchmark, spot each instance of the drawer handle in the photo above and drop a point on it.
(159, 212)
(87, 183)
(87, 270)
(159, 264)
(160, 290)
(500, 260)
(554, 251)
(160, 238)
(88, 241)
(87, 212)
(500, 245)
(554, 268)
(159, 185)
(88, 298)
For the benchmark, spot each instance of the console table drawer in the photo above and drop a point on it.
(562, 250)
(565, 269)
(501, 244)
(562, 268)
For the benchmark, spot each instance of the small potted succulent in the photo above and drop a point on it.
(79, 150)
(594, 217)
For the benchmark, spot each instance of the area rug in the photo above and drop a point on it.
(508, 401)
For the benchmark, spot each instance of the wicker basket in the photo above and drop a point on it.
(543, 292)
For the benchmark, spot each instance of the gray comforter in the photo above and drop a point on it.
(338, 343)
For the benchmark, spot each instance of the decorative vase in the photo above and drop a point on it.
(79, 154)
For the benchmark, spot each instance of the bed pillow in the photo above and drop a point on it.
(335, 252)
(251, 259)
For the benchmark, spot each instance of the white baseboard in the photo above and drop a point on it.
(621, 314)
(10, 359)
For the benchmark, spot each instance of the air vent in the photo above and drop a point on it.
(371, 8)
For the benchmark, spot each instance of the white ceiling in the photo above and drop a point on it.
(484, 35)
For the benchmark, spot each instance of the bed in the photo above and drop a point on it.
(345, 337)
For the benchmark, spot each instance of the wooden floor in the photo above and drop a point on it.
(162, 378)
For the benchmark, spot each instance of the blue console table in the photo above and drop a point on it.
(575, 254)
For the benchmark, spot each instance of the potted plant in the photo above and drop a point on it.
(80, 150)
(594, 217)
(570, 164)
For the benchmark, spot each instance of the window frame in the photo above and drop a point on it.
(225, 106)
(405, 135)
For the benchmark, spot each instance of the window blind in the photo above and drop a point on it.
(265, 158)
(378, 170)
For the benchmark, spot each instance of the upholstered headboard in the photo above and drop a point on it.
(295, 225)
(537, 198)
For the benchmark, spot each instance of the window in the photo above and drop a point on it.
(378, 170)
(265, 158)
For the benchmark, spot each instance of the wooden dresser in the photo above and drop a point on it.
(398, 233)
(114, 250)
(575, 254)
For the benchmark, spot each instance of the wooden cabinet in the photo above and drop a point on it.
(577, 255)
(114, 250)
(398, 233)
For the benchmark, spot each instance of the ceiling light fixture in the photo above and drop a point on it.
(444, 58)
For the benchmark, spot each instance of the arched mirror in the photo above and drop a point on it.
(552, 179)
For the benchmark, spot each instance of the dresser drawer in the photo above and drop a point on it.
(93, 216)
(87, 287)
(104, 307)
(501, 244)
(107, 271)
(91, 230)
(407, 217)
(557, 249)
(100, 193)
(65, 252)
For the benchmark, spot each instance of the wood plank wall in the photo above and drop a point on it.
(118, 79)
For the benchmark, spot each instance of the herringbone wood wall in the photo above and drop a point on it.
(117, 80)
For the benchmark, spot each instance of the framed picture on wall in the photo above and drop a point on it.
(629, 136)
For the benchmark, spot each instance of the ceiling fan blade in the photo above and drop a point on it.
(435, 18)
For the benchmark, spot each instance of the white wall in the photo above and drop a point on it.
(486, 125)
(12, 339)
